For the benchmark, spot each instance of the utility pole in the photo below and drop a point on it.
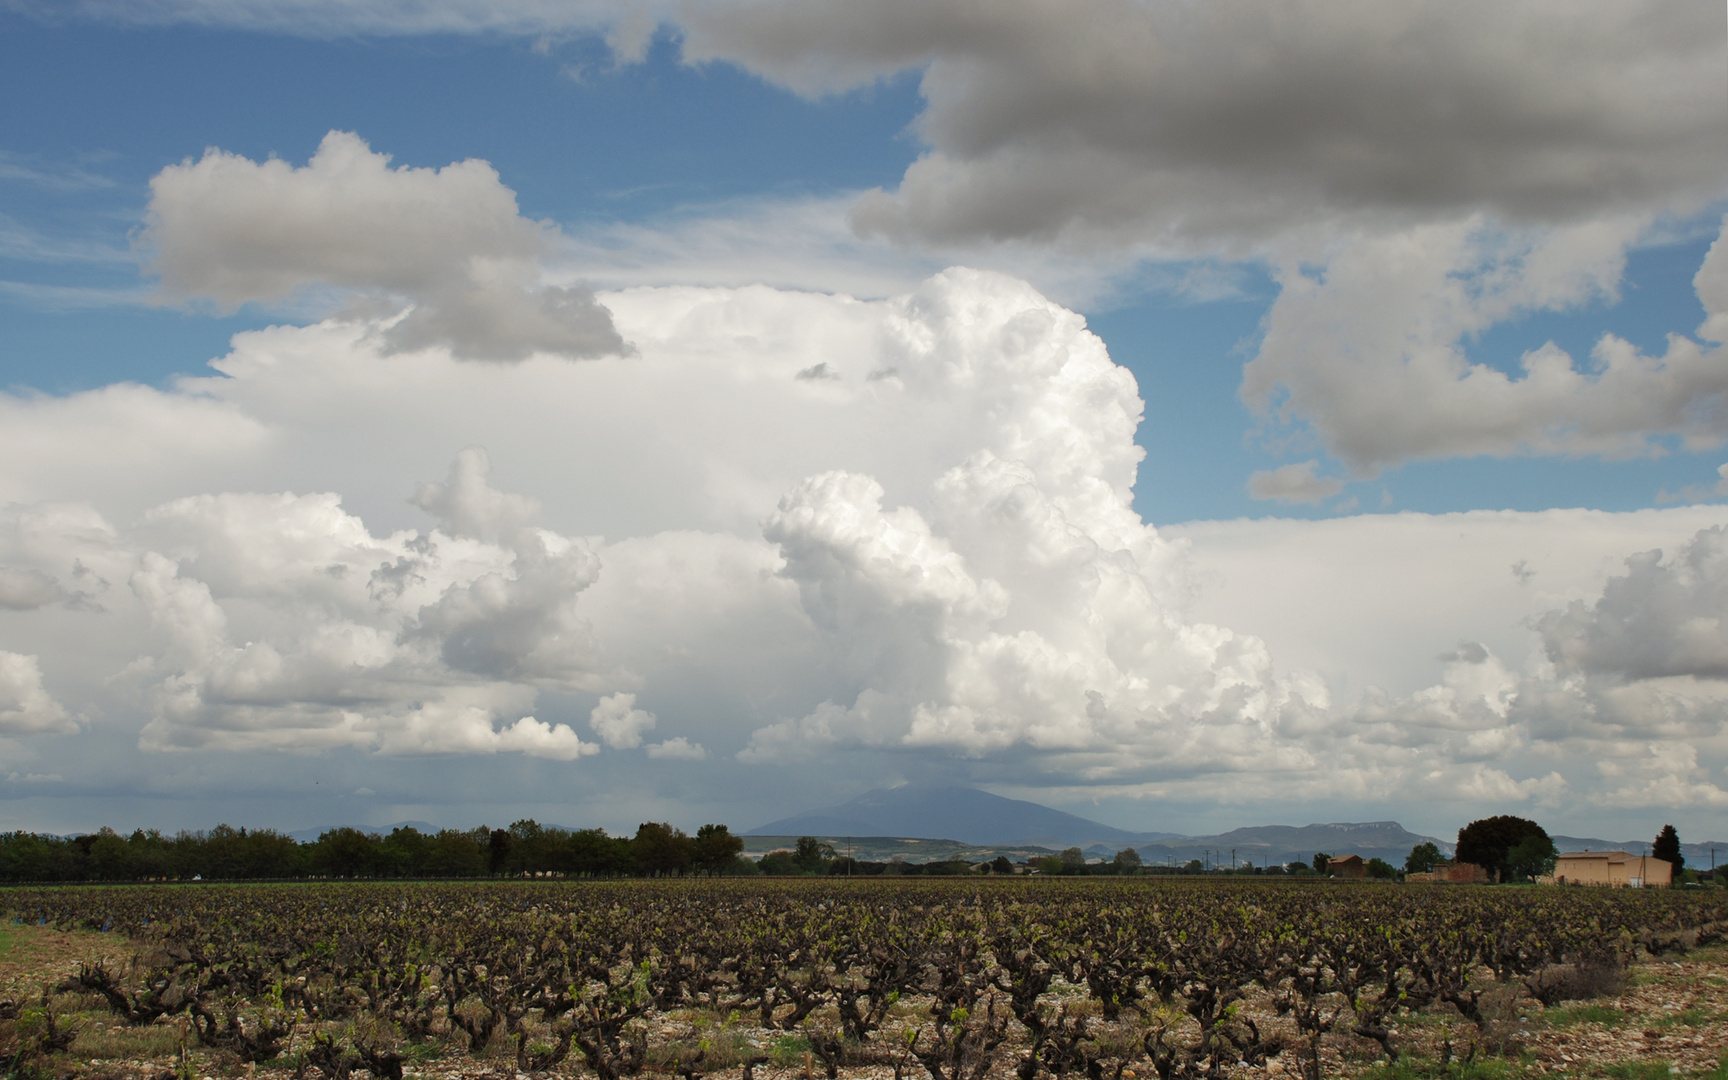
(1232, 858)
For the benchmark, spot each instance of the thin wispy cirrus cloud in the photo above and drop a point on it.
(729, 504)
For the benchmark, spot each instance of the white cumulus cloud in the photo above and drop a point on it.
(619, 723)
(26, 708)
(449, 242)
(678, 749)
(1369, 351)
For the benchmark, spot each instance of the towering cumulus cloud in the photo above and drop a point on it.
(943, 524)
(928, 553)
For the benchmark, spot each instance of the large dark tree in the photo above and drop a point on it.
(660, 849)
(1667, 847)
(498, 844)
(1488, 842)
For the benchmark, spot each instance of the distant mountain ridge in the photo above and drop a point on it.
(978, 818)
(963, 814)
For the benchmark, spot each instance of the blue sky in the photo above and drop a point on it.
(1298, 263)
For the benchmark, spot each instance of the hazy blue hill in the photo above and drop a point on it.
(887, 848)
(962, 814)
(962, 817)
(976, 818)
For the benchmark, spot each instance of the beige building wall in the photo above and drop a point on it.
(1454, 874)
(1616, 869)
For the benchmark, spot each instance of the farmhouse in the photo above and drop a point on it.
(1617, 869)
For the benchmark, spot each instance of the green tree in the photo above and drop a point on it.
(454, 853)
(660, 849)
(534, 848)
(406, 852)
(1423, 858)
(151, 857)
(1321, 862)
(780, 863)
(1127, 861)
(498, 845)
(594, 854)
(1489, 842)
(1380, 868)
(1050, 864)
(1667, 848)
(1073, 861)
(715, 848)
(811, 855)
(111, 857)
(1001, 865)
(1532, 857)
(342, 853)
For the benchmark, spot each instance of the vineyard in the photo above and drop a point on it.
(946, 980)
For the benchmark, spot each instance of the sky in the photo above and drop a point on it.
(1186, 415)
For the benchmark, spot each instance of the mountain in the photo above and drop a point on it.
(907, 849)
(963, 814)
(976, 818)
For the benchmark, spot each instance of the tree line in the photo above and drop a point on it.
(525, 849)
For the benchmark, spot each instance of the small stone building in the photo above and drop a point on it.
(1616, 869)
(1352, 866)
(1462, 873)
